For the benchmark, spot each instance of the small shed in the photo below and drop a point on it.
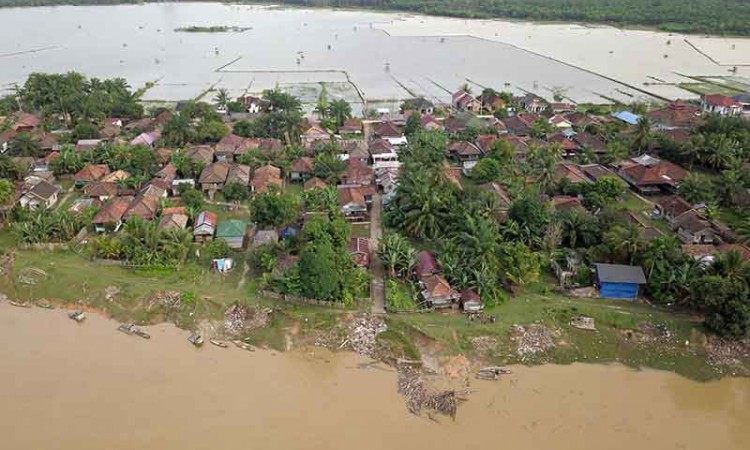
(265, 237)
(232, 231)
(470, 301)
(619, 281)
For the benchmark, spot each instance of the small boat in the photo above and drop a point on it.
(219, 343)
(78, 316)
(45, 305)
(244, 346)
(196, 339)
(140, 333)
(126, 328)
(492, 373)
(19, 304)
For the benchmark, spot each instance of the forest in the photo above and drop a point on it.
(725, 17)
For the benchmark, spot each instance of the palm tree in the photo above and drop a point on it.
(626, 241)
(616, 151)
(340, 110)
(396, 253)
(322, 107)
(643, 135)
(222, 98)
(696, 188)
(24, 144)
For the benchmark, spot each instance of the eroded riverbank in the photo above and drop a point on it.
(67, 386)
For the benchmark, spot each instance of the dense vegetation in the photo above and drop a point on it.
(691, 16)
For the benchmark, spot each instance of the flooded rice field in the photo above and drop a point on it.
(362, 56)
(65, 385)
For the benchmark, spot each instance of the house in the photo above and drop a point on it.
(49, 142)
(463, 151)
(89, 173)
(558, 108)
(80, 205)
(596, 172)
(315, 183)
(568, 146)
(204, 226)
(744, 101)
(100, 190)
(176, 221)
(232, 231)
(382, 150)
(87, 145)
(676, 115)
(672, 207)
(240, 174)
(230, 146)
(25, 123)
(164, 155)
(619, 281)
(351, 126)
(213, 177)
(359, 249)
(532, 103)
(426, 264)
(167, 173)
(649, 175)
(148, 139)
(491, 102)
(694, 228)
(355, 202)
(429, 122)
(470, 301)
(43, 164)
(418, 104)
(313, 134)
(571, 172)
(116, 176)
(301, 169)
(357, 174)
(721, 104)
(202, 154)
(587, 140)
(265, 177)
(110, 216)
(564, 202)
(437, 292)
(43, 195)
(627, 117)
(146, 204)
(387, 130)
(5, 139)
(463, 101)
(253, 105)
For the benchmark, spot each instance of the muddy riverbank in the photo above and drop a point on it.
(70, 386)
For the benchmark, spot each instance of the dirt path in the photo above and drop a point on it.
(377, 288)
(245, 270)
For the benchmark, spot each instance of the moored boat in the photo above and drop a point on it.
(219, 343)
(78, 316)
(244, 346)
(45, 305)
(19, 304)
(196, 339)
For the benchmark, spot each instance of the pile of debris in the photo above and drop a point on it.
(650, 333)
(362, 333)
(111, 293)
(583, 323)
(31, 275)
(728, 353)
(484, 345)
(245, 318)
(418, 398)
(532, 339)
(166, 299)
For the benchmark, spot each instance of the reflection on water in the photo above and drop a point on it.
(69, 386)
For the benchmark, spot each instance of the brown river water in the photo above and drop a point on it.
(85, 386)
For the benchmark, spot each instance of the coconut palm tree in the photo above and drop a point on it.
(340, 111)
(643, 136)
(222, 98)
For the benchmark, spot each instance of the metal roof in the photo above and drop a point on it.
(619, 273)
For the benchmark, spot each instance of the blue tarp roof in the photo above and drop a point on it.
(288, 232)
(627, 117)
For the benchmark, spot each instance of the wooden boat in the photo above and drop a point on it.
(244, 346)
(219, 343)
(19, 304)
(140, 333)
(492, 373)
(196, 339)
(45, 305)
(129, 328)
(78, 316)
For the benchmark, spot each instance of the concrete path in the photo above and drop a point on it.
(377, 288)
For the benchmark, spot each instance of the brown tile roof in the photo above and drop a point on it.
(353, 195)
(692, 221)
(145, 205)
(720, 100)
(360, 250)
(315, 182)
(100, 189)
(167, 173)
(585, 139)
(169, 221)
(266, 176)
(437, 286)
(201, 153)
(174, 210)
(351, 126)
(699, 250)
(426, 264)
(566, 144)
(117, 175)
(464, 148)
(562, 202)
(485, 141)
(387, 129)
(214, 173)
(663, 172)
(379, 147)
(357, 173)
(677, 114)
(239, 173)
(26, 120)
(164, 154)
(91, 172)
(570, 171)
(303, 165)
(743, 250)
(112, 211)
(674, 206)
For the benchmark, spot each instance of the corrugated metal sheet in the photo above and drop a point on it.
(618, 290)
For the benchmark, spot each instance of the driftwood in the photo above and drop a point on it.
(411, 386)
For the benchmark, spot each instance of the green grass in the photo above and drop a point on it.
(453, 332)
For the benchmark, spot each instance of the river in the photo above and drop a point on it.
(380, 57)
(73, 386)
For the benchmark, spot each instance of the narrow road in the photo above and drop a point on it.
(377, 288)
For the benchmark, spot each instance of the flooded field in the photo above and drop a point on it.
(376, 57)
(85, 386)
